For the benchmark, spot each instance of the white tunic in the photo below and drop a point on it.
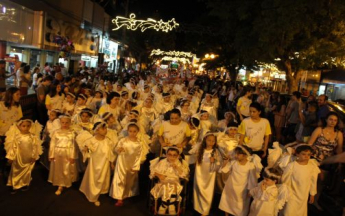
(242, 178)
(96, 179)
(204, 182)
(125, 182)
(23, 151)
(62, 148)
(264, 201)
(302, 179)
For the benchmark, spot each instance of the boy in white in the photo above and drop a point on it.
(301, 177)
(169, 171)
(99, 150)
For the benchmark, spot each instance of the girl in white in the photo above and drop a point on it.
(69, 104)
(209, 161)
(169, 171)
(208, 105)
(244, 171)
(301, 177)
(62, 156)
(23, 147)
(99, 150)
(55, 98)
(131, 152)
(265, 195)
(80, 104)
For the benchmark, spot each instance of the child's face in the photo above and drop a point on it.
(208, 98)
(102, 131)
(240, 157)
(269, 182)
(311, 109)
(80, 101)
(132, 132)
(210, 141)
(125, 97)
(172, 156)
(167, 99)
(52, 115)
(304, 156)
(118, 88)
(69, 99)
(204, 116)
(148, 103)
(24, 127)
(84, 117)
(115, 101)
(146, 90)
(98, 95)
(132, 116)
(65, 123)
(254, 113)
(232, 131)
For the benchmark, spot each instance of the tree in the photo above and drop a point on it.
(295, 35)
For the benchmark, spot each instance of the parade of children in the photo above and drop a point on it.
(173, 144)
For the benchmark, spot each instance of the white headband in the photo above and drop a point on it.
(102, 124)
(65, 116)
(27, 120)
(244, 149)
(269, 174)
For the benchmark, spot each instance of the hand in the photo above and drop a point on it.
(311, 199)
(51, 159)
(71, 160)
(264, 154)
(212, 159)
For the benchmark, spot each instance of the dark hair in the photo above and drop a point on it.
(48, 78)
(276, 171)
(111, 95)
(203, 147)
(53, 91)
(313, 104)
(245, 90)
(173, 149)
(9, 97)
(281, 103)
(133, 125)
(26, 69)
(297, 94)
(324, 120)
(256, 105)
(302, 148)
(239, 150)
(96, 124)
(175, 111)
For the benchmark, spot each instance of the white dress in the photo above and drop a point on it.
(125, 182)
(171, 184)
(23, 149)
(62, 148)
(302, 179)
(204, 182)
(264, 201)
(96, 179)
(242, 178)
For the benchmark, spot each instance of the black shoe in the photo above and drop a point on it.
(25, 188)
(13, 191)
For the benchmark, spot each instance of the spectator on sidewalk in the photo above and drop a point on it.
(42, 91)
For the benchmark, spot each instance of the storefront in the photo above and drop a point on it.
(110, 50)
(332, 84)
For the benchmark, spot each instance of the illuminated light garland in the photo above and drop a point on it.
(132, 24)
(169, 58)
(172, 53)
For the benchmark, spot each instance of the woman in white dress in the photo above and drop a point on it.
(209, 161)
(99, 150)
(243, 171)
(131, 152)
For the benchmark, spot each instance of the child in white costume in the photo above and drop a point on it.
(244, 171)
(209, 161)
(62, 155)
(99, 150)
(268, 197)
(301, 176)
(68, 104)
(131, 152)
(169, 171)
(23, 147)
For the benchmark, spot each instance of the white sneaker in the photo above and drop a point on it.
(172, 210)
(162, 210)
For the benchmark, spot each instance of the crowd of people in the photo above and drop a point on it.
(266, 153)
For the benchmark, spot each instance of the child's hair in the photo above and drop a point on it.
(256, 105)
(133, 124)
(203, 147)
(23, 119)
(313, 104)
(232, 124)
(86, 110)
(242, 150)
(106, 116)
(195, 122)
(98, 125)
(58, 112)
(272, 173)
(304, 147)
(173, 149)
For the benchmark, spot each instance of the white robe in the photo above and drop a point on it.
(302, 179)
(23, 150)
(264, 201)
(204, 182)
(125, 182)
(242, 178)
(62, 148)
(96, 179)
(171, 184)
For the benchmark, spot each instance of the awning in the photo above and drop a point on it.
(333, 76)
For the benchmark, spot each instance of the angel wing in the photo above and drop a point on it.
(274, 154)
(283, 195)
(153, 164)
(10, 140)
(81, 139)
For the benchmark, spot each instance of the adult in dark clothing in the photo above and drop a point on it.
(42, 91)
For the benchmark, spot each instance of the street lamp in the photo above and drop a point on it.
(207, 56)
(212, 56)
